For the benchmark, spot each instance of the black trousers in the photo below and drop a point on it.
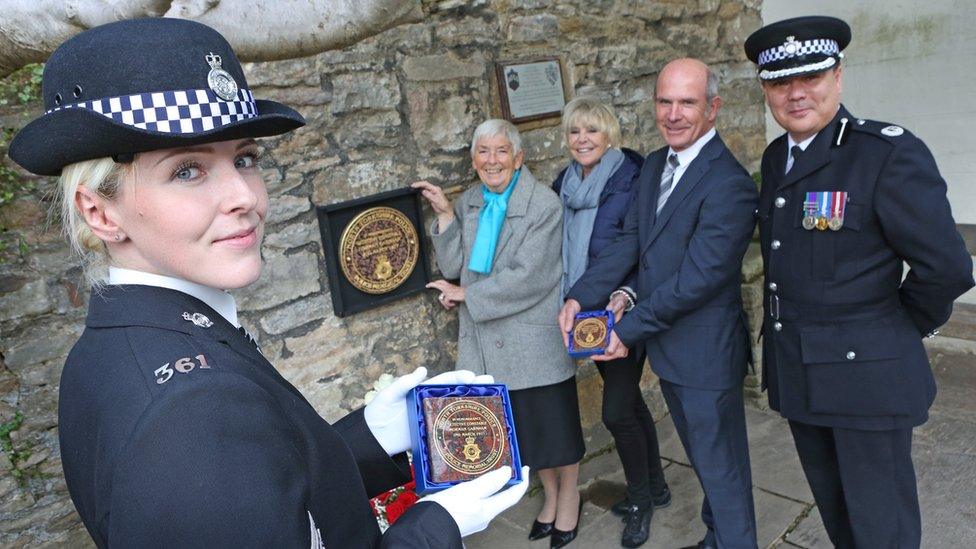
(626, 416)
(863, 483)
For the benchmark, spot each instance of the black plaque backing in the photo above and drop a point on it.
(333, 219)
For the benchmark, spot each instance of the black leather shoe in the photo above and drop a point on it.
(541, 529)
(560, 538)
(662, 499)
(624, 507)
(637, 527)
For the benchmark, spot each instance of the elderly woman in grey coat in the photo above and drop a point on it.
(502, 240)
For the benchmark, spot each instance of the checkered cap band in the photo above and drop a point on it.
(181, 111)
(820, 45)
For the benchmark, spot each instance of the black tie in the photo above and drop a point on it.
(795, 152)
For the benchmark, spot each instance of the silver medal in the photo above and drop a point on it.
(198, 319)
(219, 80)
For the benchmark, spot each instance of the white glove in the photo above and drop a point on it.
(386, 415)
(472, 505)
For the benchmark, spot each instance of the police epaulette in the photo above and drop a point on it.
(885, 130)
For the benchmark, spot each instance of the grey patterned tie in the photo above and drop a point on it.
(667, 181)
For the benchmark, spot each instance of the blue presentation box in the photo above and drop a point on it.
(460, 432)
(590, 334)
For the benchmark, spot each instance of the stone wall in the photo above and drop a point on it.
(395, 108)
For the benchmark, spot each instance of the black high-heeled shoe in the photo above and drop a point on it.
(559, 538)
(541, 529)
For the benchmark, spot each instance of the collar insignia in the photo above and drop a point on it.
(198, 319)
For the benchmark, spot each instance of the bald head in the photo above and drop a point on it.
(686, 102)
(693, 69)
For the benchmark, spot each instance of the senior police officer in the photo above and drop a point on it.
(844, 202)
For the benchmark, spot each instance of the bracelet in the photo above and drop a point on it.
(626, 294)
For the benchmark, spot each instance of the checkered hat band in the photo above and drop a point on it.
(180, 111)
(820, 45)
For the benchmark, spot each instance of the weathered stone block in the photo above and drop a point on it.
(364, 90)
(451, 122)
(30, 299)
(368, 130)
(285, 277)
(38, 343)
(292, 236)
(545, 144)
(285, 207)
(354, 180)
(533, 28)
(296, 314)
(470, 30)
(443, 66)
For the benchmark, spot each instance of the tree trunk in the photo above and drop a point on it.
(259, 30)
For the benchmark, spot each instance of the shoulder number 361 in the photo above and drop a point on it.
(183, 366)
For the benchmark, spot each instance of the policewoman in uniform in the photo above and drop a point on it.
(844, 202)
(175, 431)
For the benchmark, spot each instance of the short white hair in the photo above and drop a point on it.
(497, 126)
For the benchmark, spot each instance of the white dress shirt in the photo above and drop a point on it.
(688, 155)
(218, 300)
(789, 148)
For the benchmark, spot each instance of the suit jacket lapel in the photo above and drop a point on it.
(650, 183)
(518, 205)
(689, 180)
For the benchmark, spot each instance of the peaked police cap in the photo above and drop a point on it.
(142, 85)
(801, 45)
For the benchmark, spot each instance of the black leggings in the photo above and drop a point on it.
(629, 421)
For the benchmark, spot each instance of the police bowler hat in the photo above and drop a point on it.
(142, 85)
(801, 45)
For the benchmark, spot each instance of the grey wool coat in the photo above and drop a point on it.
(508, 322)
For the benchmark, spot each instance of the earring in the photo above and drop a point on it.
(117, 237)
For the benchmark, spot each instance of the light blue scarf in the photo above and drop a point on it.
(489, 226)
(581, 200)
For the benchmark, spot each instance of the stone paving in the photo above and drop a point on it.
(944, 454)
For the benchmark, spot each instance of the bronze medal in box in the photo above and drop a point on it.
(373, 250)
(466, 436)
(590, 333)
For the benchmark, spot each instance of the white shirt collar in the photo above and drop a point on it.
(686, 156)
(803, 144)
(218, 300)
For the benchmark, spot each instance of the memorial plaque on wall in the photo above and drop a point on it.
(374, 250)
(531, 90)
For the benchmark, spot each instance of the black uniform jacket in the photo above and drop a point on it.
(175, 434)
(842, 332)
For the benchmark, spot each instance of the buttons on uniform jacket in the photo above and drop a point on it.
(780, 202)
(775, 244)
(499, 343)
(851, 355)
(777, 326)
(772, 286)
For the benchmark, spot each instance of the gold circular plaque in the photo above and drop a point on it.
(378, 250)
(469, 437)
(589, 333)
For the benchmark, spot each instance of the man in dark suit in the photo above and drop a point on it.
(844, 202)
(687, 233)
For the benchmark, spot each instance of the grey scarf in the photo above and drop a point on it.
(581, 199)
